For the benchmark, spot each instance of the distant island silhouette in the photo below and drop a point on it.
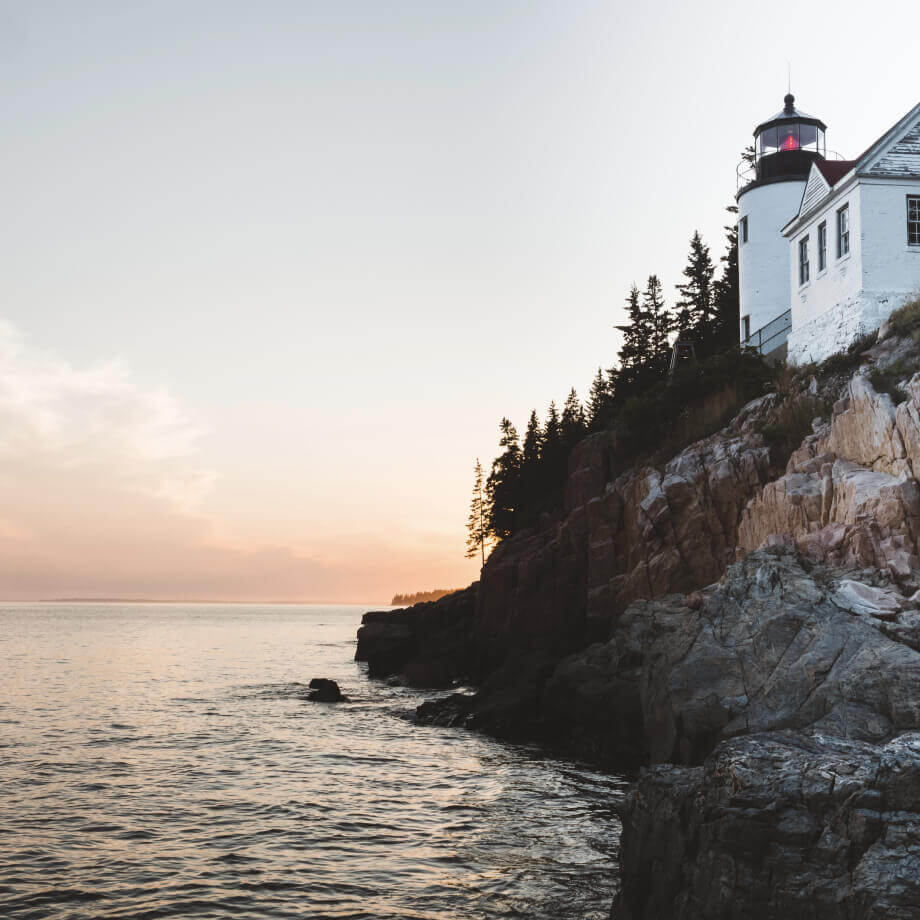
(420, 597)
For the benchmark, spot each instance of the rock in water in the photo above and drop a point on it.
(323, 690)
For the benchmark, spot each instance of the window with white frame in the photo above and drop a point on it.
(843, 231)
(822, 246)
(803, 261)
(743, 229)
(913, 220)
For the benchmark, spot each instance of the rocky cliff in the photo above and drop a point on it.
(746, 623)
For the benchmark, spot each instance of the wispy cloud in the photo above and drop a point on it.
(59, 415)
(101, 490)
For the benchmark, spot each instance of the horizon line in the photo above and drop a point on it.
(173, 600)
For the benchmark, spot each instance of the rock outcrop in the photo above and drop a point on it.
(777, 826)
(752, 633)
(647, 532)
(427, 645)
(849, 495)
(798, 688)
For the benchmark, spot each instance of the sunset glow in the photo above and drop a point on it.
(272, 281)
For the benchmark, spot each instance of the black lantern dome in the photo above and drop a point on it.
(787, 144)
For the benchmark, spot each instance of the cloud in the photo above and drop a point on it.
(57, 415)
(100, 493)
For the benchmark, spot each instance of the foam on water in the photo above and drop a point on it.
(162, 761)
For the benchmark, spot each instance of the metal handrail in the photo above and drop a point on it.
(766, 335)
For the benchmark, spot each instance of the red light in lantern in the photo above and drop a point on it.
(790, 143)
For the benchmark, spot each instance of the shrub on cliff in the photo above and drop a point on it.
(696, 401)
(906, 320)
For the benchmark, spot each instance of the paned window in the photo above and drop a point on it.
(804, 273)
(843, 231)
(913, 220)
(822, 246)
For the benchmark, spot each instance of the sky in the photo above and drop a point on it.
(273, 272)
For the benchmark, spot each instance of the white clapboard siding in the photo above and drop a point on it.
(902, 158)
(816, 189)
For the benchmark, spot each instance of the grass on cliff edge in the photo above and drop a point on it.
(696, 402)
(906, 319)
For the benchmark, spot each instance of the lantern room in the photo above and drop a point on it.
(787, 144)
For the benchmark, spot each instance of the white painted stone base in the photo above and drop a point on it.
(836, 328)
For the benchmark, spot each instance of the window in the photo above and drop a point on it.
(745, 328)
(743, 228)
(822, 246)
(803, 261)
(843, 231)
(913, 220)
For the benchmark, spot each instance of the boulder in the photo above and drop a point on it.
(324, 690)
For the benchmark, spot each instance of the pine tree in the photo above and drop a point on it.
(634, 351)
(574, 424)
(554, 450)
(661, 324)
(476, 523)
(503, 484)
(695, 307)
(531, 472)
(726, 290)
(600, 401)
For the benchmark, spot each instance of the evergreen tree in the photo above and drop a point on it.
(695, 306)
(531, 470)
(574, 424)
(661, 325)
(726, 290)
(600, 401)
(503, 484)
(476, 523)
(554, 450)
(634, 352)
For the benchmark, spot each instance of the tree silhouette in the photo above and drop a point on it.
(574, 424)
(600, 400)
(503, 484)
(531, 484)
(695, 308)
(477, 534)
(661, 324)
(727, 291)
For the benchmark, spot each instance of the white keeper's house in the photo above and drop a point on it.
(827, 248)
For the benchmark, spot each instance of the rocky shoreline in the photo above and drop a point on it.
(747, 631)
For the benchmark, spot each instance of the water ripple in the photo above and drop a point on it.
(164, 762)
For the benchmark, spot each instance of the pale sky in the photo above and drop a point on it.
(273, 272)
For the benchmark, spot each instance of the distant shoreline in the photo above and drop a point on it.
(149, 600)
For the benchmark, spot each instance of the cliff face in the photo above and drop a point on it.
(753, 633)
(648, 532)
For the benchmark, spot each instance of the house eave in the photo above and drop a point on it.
(844, 185)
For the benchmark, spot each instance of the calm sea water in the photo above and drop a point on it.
(162, 761)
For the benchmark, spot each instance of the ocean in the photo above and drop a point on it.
(163, 761)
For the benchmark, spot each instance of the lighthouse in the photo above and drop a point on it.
(785, 147)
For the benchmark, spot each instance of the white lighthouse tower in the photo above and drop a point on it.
(785, 146)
